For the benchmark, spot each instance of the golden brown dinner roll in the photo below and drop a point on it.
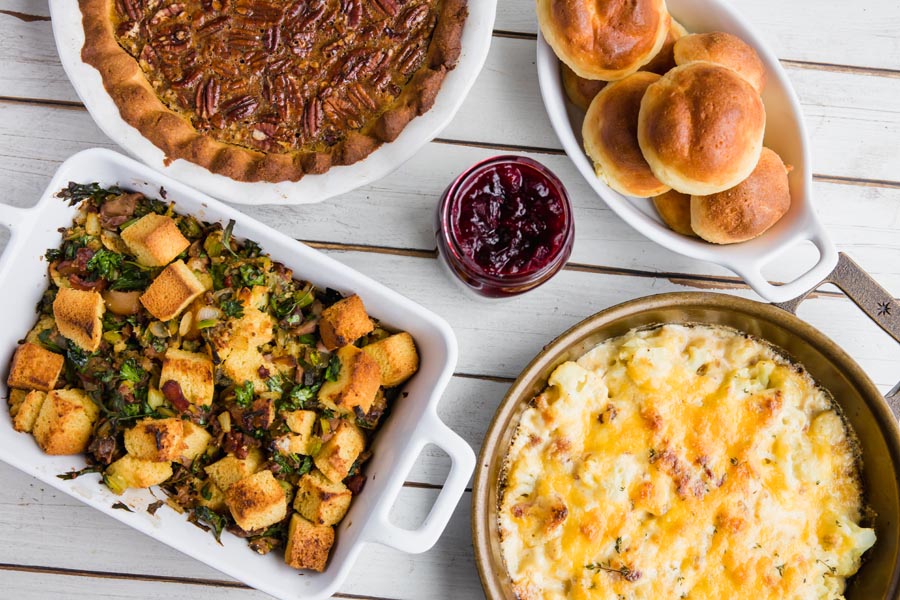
(578, 89)
(675, 210)
(610, 137)
(723, 49)
(701, 128)
(746, 210)
(604, 39)
(664, 61)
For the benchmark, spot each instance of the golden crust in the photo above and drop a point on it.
(664, 61)
(701, 128)
(723, 49)
(172, 290)
(610, 137)
(155, 240)
(65, 422)
(79, 316)
(141, 108)
(579, 90)
(308, 544)
(675, 210)
(746, 210)
(604, 39)
(34, 368)
(344, 322)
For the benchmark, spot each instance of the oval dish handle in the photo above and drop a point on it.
(16, 220)
(415, 541)
(868, 295)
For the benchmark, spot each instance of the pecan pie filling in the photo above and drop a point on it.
(277, 76)
(273, 89)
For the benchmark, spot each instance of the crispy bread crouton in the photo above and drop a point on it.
(356, 385)
(26, 413)
(158, 440)
(256, 501)
(79, 317)
(307, 544)
(196, 439)
(34, 368)
(321, 501)
(131, 472)
(65, 422)
(154, 240)
(193, 372)
(344, 322)
(340, 451)
(396, 357)
(227, 471)
(301, 423)
(172, 290)
(209, 495)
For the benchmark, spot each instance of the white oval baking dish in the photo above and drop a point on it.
(412, 424)
(785, 133)
(476, 40)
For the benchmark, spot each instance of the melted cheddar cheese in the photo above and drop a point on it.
(682, 462)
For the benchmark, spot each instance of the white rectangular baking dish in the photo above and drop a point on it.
(476, 41)
(412, 424)
(785, 134)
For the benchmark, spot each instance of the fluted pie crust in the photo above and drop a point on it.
(322, 83)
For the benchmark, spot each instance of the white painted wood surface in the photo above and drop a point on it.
(845, 65)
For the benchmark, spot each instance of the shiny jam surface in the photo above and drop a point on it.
(509, 220)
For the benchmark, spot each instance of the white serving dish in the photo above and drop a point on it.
(785, 133)
(412, 424)
(476, 40)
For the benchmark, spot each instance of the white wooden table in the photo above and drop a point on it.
(844, 62)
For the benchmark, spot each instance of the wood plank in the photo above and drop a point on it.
(862, 220)
(795, 30)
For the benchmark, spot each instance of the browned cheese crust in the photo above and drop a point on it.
(261, 159)
(747, 210)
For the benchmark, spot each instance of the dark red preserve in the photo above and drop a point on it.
(505, 226)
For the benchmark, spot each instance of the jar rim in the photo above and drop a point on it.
(451, 197)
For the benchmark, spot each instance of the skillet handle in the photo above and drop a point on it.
(867, 294)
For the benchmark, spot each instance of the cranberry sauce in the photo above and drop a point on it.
(505, 226)
(509, 220)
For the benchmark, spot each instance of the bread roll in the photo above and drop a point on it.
(604, 39)
(701, 128)
(664, 61)
(746, 210)
(723, 49)
(675, 210)
(578, 89)
(610, 137)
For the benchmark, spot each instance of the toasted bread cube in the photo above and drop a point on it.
(338, 453)
(196, 440)
(301, 423)
(155, 240)
(396, 357)
(308, 544)
(131, 472)
(26, 413)
(172, 290)
(193, 372)
(256, 325)
(159, 440)
(34, 368)
(322, 501)
(356, 385)
(65, 422)
(256, 501)
(209, 495)
(15, 400)
(231, 469)
(344, 322)
(241, 362)
(79, 317)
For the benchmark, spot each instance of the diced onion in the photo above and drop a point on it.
(122, 303)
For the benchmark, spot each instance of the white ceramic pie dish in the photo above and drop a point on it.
(412, 424)
(476, 40)
(785, 133)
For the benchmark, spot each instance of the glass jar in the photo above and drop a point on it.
(504, 226)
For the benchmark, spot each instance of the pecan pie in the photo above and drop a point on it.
(268, 90)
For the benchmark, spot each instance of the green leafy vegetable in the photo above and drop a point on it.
(130, 371)
(76, 192)
(44, 338)
(334, 368)
(203, 516)
(252, 275)
(243, 395)
(106, 264)
(232, 308)
(131, 277)
(79, 473)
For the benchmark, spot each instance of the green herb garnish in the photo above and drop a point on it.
(243, 395)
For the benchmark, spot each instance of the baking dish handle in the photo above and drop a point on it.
(14, 219)
(867, 294)
(415, 541)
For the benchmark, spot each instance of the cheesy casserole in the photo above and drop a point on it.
(682, 462)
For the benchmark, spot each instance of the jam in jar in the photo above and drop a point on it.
(505, 226)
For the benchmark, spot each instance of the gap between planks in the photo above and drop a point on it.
(42, 570)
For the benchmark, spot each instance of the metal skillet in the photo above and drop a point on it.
(872, 416)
